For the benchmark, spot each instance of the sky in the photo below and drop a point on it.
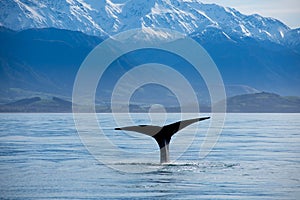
(287, 11)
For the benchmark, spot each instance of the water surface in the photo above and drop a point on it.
(257, 157)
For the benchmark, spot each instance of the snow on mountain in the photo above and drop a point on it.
(293, 38)
(103, 17)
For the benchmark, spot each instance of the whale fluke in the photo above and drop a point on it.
(163, 134)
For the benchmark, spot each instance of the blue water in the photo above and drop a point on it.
(257, 157)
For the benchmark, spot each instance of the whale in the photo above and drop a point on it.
(162, 134)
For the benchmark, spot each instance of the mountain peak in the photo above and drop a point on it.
(108, 17)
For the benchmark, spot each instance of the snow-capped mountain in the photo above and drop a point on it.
(293, 38)
(105, 17)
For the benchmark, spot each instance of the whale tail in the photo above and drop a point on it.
(162, 135)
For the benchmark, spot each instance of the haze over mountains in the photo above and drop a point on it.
(253, 53)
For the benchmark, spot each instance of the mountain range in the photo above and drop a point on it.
(43, 43)
(105, 18)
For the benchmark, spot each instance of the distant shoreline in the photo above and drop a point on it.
(249, 103)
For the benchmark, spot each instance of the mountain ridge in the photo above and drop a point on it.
(105, 18)
(47, 60)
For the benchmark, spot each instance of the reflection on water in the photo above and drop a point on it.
(257, 156)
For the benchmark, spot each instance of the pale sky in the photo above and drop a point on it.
(287, 11)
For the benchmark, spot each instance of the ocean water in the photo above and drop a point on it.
(42, 156)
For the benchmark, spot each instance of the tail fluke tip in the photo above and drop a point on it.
(203, 118)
